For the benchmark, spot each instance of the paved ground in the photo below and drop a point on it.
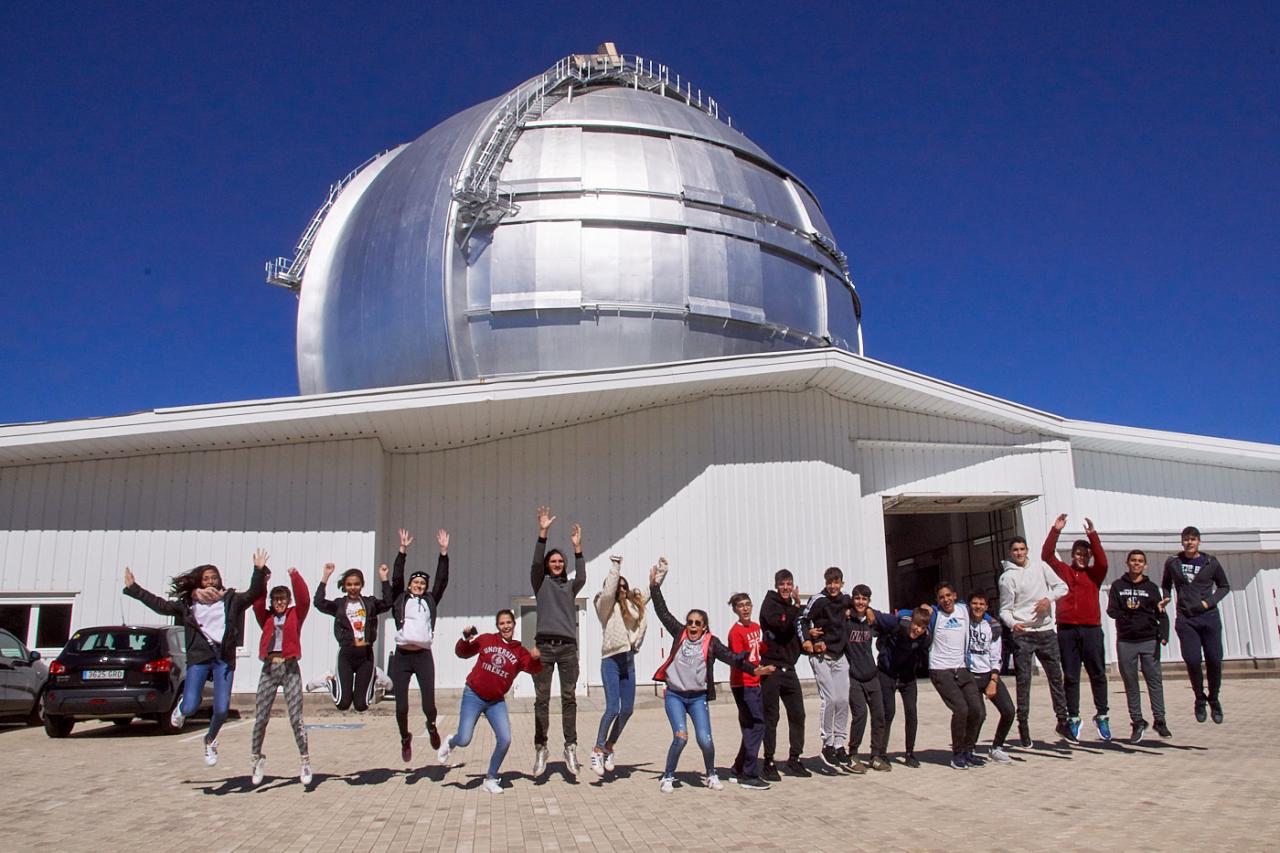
(105, 789)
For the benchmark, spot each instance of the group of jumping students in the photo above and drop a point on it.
(1048, 609)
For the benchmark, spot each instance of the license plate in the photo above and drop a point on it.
(103, 674)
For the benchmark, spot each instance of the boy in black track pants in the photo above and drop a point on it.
(778, 616)
(904, 648)
(1201, 584)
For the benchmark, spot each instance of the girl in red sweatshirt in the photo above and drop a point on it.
(279, 652)
(500, 660)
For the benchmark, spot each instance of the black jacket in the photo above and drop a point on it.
(337, 608)
(778, 618)
(1135, 607)
(716, 649)
(1209, 584)
(826, 613)
(433, 595)
(199, 650)
(858, 645)
(900, 656)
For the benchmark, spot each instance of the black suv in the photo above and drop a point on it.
(116, 673)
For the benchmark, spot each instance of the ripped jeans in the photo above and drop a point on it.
(694, 705)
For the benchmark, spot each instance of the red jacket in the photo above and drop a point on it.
(293, 618)
(1080, 605)
(499, 664)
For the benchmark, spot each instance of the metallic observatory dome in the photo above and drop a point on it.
(600, 215)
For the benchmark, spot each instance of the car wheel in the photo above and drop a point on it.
(58, 726)
(121, 722)
(163, 720)
(36, 717)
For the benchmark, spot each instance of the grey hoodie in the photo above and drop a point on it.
(1021, 587)
(557, 596)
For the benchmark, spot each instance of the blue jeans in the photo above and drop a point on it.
(496, 713)
(221, 673)
(695, 705)
(618, 672)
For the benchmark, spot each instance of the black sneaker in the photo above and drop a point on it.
(1201, 710)
(795, 768)
(830, 757)
(911, 761)
(843, 761)
(1215, 711)
(1024, 735)
(1162, 729)
(769, 772)
(754, 783)
(1138, 730)
(1064, 731)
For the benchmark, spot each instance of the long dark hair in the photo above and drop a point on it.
(546, 560)
(188, 582)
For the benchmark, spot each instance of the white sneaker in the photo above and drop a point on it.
(442, 754)
(713, 782)
(539, 761)
(571, 759)
(999, 756)
(211, 752)
(608, 762)
(597, 763)
(667, 784)
(304, 775)
(177, 718)
(492, 786)
(259, 769)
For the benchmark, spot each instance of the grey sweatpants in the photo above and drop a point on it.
(1144, 655)
(276, 674)
(833, 699)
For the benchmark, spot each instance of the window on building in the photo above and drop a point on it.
(42, 622)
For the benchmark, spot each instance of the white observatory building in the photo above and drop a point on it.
(594, 292)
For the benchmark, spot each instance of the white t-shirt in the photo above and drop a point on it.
(277, 640)
(416, 632)
(212, 619)
(950, 639)
(355, 615)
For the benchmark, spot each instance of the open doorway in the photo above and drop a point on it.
(957, 538)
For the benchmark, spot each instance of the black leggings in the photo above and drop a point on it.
(422, 664)
(1201, 635)
(354, 685)
(1004, 705)
(889, 684)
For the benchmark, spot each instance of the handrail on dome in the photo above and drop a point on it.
(287, 272)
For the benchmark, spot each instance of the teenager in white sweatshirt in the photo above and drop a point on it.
(621, 611)
(1028, 589)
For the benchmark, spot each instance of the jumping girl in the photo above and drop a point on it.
(279, 651)
(414, 611)
(213, 617)
(621, 611)
(690, 680)
(355, 625)
(500, 660)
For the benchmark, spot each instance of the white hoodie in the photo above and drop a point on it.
(1021, 587)
(617, 637)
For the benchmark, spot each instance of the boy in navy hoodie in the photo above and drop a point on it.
(1142, 627)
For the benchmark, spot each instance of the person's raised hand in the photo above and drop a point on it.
(1060, 522)
(442, 539)
(576, 538)
(293, 570)
(260, 558)
(328, 572)
(616, 559)
(1088, 524)
(405, 541)
(653, 577)
(128, 577)
(383, 572)
(545, 520)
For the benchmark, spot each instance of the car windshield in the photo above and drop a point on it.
(114, 640)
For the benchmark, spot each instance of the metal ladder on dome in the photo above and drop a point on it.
(481, 198)
(287, 272)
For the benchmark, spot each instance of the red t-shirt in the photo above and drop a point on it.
(745, 638)
(499, 664)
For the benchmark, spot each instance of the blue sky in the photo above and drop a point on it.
(1073, 206)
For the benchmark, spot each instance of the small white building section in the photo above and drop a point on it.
(730, 467)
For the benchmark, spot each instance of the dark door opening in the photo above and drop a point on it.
(964, 548)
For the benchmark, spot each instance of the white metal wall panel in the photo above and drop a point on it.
(73, 527)
(1136, 493)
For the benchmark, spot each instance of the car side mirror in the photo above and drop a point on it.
(35, 656)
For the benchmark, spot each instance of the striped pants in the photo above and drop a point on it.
(277, 674)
